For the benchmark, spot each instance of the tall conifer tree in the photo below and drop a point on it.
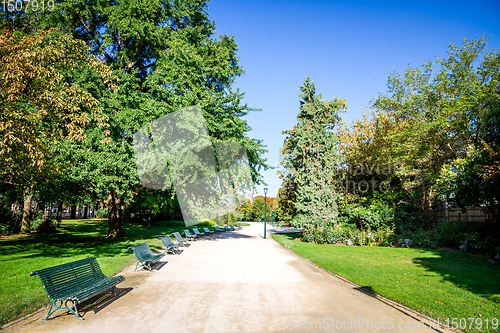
(312, 162)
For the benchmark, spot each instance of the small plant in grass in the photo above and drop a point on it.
(406, 242)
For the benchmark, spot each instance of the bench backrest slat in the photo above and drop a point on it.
(178, 236)
(65, 277)
(167, 241)
(142, 251)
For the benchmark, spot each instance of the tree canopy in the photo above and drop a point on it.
(164, 58)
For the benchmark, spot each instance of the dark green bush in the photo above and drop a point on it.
(9, 222)
(102, 213)
(43, 224)
(450, 234)
(367, 218)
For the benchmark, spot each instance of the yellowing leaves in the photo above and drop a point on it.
(37, 107)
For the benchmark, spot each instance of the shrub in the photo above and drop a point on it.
(406, 220)
(385, 237)
(319, 236)
(450, 234)
(335, 236)
(423, 238)
(472, 243)
(206, 223)
(308, 235)
(43, 224)
(9, 222)
(361, 237)
(171, 223)
(406, 242)
(370, 218)
(102, 213)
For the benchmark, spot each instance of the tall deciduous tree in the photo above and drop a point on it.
(478, 181)
(39, 108)
(315, 159)
(165, 59)
(437, 115)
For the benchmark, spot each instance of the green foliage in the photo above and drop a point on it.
(450, 234)
(368, 218)
(101, 213)
(310, 158)
(363, 218)
(152, 206)
(429, 106)
(206, 223)
(40, 107)
(42, 223)
(477, 183)
(226, 218)
(286, 210)
(406, 218)
(163, 57)
(9, 222)
(328, 235)
(431, 116)
(258, 208)
(468, 237)
(246, 210)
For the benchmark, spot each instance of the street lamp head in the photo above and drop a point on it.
(265, 190)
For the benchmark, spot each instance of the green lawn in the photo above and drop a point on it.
(439, 283)
(21, 294)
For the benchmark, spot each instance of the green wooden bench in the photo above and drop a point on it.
(74, 282)
(144, 256)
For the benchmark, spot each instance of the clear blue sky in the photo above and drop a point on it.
(348, 50)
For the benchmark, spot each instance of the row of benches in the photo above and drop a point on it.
(72, 283)
(145, 258)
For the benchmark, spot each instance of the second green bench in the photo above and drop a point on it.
(144, 256)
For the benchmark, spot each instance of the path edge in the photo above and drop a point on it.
(373, 294)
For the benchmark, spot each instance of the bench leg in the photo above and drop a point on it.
(56, 307)
(137, 262)
(148, 265)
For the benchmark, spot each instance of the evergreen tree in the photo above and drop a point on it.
(314, 159)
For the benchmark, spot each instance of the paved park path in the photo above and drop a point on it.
(231, 282)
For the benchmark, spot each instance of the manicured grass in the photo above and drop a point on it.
(439, 283)
(21, 294)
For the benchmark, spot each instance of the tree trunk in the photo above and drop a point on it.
(59, 212)
(28, 198)
(115, 217)
(85, 211)
(73, 212)
(115, 213)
